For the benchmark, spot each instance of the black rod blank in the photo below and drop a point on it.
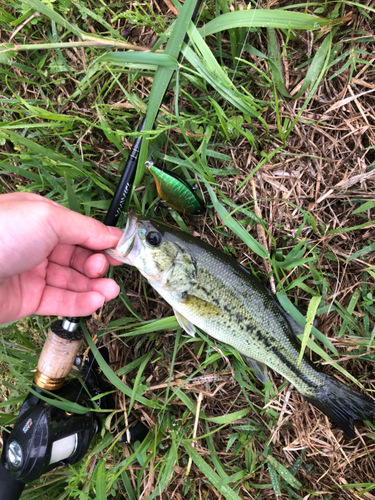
(124, 187)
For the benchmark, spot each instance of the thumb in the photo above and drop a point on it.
(73, 228)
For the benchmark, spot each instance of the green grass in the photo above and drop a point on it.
(72, 97)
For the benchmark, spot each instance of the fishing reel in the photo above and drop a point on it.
(46, 436)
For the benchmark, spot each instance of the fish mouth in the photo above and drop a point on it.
(125, 245)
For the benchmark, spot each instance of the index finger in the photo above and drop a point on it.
(75, 256)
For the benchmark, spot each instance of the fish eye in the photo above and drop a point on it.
(153, 238)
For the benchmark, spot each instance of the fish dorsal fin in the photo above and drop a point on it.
(259, 369)
(296, 328)
(184, 323)
(199, 306)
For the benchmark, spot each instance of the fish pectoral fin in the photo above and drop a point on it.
(184, 323)
(199, 306)
(259, 369)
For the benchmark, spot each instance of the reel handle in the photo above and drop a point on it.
(11, 488)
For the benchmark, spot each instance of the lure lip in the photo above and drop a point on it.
(126, 242)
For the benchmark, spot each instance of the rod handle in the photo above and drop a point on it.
(58, 355)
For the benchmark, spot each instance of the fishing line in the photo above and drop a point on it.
(188, 42)
(237, 64)
(210, 109)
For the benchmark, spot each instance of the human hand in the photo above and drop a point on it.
(47, 261)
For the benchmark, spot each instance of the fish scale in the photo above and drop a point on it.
(210, 290)
(263, 334)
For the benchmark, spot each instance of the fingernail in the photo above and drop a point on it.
(104, 267)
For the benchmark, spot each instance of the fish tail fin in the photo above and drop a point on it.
(342, 404)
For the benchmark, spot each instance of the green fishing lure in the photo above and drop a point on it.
(175, 191)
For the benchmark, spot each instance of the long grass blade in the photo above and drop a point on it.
(140, 59)
(114, 378)
(210, 474)
(360, 253)
(100, 481)
(166, 475)
(316, 67)
(228, 221)
(50, 13)
(275, 18)
(310, 316)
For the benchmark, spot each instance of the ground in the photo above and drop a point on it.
(288, 150)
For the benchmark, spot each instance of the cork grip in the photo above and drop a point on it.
(57, 357)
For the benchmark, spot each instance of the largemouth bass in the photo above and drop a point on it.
(208, 289)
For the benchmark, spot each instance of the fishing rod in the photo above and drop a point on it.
(65, 338)
(33, 447)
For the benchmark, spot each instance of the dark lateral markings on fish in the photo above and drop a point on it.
(212, 291)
